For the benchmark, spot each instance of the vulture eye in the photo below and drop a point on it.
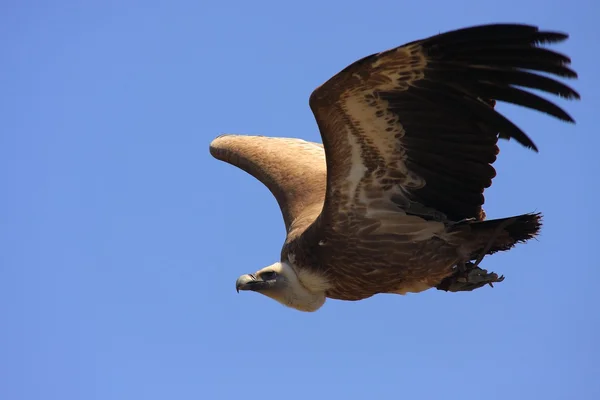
(268, 275)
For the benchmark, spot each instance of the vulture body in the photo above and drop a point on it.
(391, 202)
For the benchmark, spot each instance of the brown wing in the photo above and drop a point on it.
(293, 170)
(414, 128)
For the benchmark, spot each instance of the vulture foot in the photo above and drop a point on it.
(468, 277)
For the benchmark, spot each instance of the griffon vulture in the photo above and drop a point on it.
(392, 200)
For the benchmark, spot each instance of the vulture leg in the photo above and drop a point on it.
(468, 277)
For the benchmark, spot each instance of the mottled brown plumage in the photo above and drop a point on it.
(392, 200)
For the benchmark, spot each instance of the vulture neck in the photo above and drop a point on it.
(306, 291)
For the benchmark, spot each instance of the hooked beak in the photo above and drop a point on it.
(250, 282)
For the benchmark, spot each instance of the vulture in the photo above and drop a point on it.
(391, 201)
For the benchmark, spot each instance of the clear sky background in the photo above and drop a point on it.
(121, 237)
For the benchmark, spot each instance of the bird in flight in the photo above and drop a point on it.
(391, 202)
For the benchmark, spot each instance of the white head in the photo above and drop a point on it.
(280, 282)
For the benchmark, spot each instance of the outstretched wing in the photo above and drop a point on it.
(293, 170)
(414, 128)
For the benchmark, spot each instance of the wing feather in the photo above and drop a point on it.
(292, 169)
(417, 123)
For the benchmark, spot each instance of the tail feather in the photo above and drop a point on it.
(488, 237)
(513, 230)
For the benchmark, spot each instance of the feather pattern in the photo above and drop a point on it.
(419, 113)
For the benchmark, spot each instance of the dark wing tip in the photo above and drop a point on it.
(551, 37)
(497, 62)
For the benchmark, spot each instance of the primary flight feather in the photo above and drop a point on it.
(392, 200)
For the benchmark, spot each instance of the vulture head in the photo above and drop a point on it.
(280, 282)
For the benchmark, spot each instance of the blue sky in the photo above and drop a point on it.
(122, 238)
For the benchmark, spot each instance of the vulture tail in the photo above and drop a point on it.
(504, 233)
(490, 236)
